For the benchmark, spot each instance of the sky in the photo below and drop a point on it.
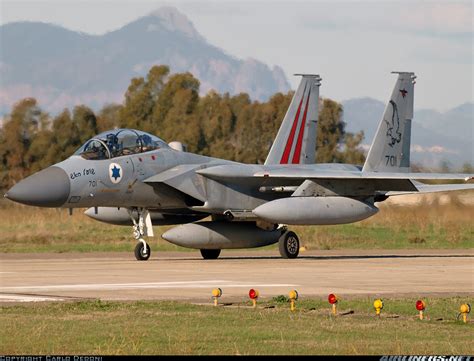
(353, 45)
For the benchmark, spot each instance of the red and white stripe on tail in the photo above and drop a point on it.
(295, 142)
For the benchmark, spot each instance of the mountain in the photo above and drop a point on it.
(62, 68)
(436, 137)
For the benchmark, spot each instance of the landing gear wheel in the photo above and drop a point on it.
(210, 253)
(289, 245)
(140, 254)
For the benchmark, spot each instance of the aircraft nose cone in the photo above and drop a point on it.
(47, 188)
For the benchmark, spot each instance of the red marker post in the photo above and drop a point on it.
(420, 306)
(332, 299)
(253, 295)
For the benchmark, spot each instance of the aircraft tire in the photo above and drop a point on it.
(289, 245)
(139, 254)
(210, 253)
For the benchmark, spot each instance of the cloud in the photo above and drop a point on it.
(453, 19)
(439, 18)
(437, 149)
(419, 149)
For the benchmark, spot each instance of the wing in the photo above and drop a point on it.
(349, 181)
(182, 178)
(285, 172)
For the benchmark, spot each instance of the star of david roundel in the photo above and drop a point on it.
(115, 173)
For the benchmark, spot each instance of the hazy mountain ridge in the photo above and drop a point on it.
(61, 67)
(436, 136)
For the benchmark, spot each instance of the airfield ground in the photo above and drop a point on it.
(151, 327)
(72, 285)
(186, 276)
(112, 304)
(405, 222)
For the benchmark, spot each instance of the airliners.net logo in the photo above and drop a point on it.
(427, 358)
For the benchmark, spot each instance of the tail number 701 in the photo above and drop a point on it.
(390, 160)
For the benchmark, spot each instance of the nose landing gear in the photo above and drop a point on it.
(141, 229)
(142, 250)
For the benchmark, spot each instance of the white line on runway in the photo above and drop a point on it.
(149, 285)
(26, 298)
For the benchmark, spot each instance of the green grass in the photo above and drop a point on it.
(423, 226)
(180, 328)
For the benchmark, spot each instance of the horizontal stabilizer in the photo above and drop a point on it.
(433, 188)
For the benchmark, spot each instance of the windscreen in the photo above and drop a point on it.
(119, 142)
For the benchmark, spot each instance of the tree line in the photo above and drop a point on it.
(169, 106)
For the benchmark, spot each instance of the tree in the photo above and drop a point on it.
(351, 152)
(330, 132)
(16, 136)
(331, 137)
(109, 117)
(216, 122)
(85, 122)
(40, 144)
(66, 138)
(141, 97)
(174, 115)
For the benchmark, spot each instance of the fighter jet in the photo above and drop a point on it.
(128, 177)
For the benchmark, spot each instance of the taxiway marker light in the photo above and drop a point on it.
(420, 306)
(216, 293)
(253, 295)
(465, 309)
(378, 305)
(293, 297)
(332, 299)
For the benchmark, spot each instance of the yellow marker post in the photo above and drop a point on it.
(378, 305)
(216, 293)
(293, 297)
(465, 309)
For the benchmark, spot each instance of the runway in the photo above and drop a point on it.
(185, 276)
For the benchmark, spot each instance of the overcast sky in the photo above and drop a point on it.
(353, 45)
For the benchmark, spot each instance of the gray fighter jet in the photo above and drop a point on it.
(128, 177)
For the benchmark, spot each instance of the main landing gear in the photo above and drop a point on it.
(210, 253)
(141, 228)
(289, 245)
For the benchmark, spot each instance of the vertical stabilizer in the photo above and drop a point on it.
(295, 142)
(390, 150)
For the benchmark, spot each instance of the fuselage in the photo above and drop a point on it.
(127, 181)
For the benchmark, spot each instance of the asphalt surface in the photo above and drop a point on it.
(186, 276)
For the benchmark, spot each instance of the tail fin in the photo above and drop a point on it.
(295, 142)
(390, 150)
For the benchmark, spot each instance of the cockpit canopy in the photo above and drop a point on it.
(119, 142)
